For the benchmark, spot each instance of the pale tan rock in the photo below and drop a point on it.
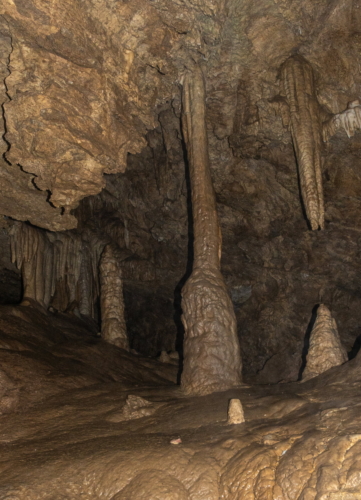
(212, 360)
(235, 412)
(325, 350)
(349, 120)
(305, 124)
(114, 329)
(153, 485)
(58, 269)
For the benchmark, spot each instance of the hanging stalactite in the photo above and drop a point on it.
(306, 129)
(58, 269)
(349, 120)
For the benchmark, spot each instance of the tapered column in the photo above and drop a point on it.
(111, 300)
(212, 360)
(306, 129)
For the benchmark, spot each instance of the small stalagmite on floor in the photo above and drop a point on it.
(235, 412)
(212, 360)
(326, 350)
(114, 328)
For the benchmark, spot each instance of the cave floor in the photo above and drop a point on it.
(299, 441)
(77, 445)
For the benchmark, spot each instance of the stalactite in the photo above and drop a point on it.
(305, 122)
(111, 299)
(349, 120)
(32, 252)
(325, 349)
(212, 360)
(58, 269)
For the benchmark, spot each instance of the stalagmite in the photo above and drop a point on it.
(212, 360)
(349, 120)
(235, 412)
(111, 299)
(325, 349)
(305, 122)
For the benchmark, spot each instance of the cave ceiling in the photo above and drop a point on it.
(91, 138)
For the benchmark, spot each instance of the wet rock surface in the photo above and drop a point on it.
(298, 441)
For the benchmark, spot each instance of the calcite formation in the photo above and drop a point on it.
(325, 349)
(305, 123)
(58, 269)
(114, 329)
(212, 359)
(235, 412)
(349, 120)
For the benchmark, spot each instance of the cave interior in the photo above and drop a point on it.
(180, 273)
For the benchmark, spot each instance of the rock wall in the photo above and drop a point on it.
(93, 89)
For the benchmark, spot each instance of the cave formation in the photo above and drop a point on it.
(138, 140)
(211, 349)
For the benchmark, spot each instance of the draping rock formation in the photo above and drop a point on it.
(211, 351)
(305, 123)
(325, 349)
(348, 120)
(114, 329)
(58, 269)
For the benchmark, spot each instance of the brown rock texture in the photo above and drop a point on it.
(58, 269)
(299, 88)
(211, 352)
(125, 62)
(325, 349)
(114, 329)
(94, 429)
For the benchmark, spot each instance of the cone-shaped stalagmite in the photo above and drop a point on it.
(212, 359)
(306, 130)
(325, 349)
(111, 299)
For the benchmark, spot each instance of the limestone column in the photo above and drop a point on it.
(113, 327)
(212, 360)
